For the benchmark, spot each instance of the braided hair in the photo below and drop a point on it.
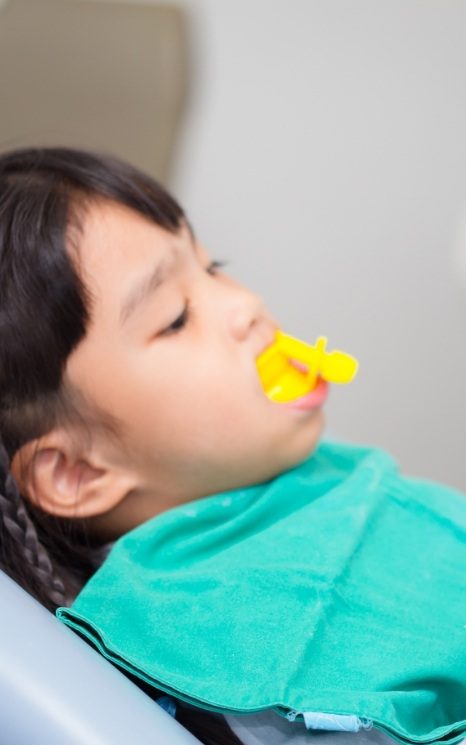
(19, 538)
(23, 553)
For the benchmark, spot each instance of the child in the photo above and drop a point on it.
(113, 317)
(128, 383)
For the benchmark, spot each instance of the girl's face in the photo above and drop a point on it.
(175, 362)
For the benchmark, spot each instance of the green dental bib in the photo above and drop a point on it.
(334, 592)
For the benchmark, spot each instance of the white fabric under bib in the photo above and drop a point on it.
(269, 728)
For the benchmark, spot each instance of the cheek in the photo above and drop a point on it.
(196, 379)
(189, 401)
(203, 410)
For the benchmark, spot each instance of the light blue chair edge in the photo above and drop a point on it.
(55, 688)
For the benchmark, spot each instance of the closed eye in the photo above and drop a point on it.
(187, 313)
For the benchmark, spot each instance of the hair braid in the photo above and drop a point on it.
(22, 531)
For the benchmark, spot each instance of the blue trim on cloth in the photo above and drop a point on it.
(168, 703)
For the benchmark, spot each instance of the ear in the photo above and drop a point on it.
(61, 479)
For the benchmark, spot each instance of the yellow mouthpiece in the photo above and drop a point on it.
(290, 368)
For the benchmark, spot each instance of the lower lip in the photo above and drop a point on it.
(313, 400)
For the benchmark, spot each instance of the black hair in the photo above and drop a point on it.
(45, 309)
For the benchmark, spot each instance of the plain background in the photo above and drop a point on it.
(324, 155)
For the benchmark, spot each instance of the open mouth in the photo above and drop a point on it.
(296, 373)
(311, 400)
(298, 365)
(285, 379)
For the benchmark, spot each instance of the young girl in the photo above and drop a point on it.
(128, 381)
(127, 377)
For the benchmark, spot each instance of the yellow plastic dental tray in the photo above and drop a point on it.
(290, 368)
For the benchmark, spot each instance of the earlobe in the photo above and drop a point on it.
(72, 485)
(64, 483)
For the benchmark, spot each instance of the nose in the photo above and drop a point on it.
(247, 313)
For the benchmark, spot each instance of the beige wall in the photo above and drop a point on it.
(90, 74)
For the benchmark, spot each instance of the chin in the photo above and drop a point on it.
(311, 437)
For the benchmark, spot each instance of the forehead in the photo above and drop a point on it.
(115, 240)
(115, 247)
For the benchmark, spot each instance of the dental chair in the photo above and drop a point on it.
(55, 689)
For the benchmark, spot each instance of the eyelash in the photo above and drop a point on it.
(187, 313)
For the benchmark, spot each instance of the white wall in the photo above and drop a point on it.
(325, 156)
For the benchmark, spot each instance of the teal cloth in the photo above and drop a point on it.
(336, 587)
